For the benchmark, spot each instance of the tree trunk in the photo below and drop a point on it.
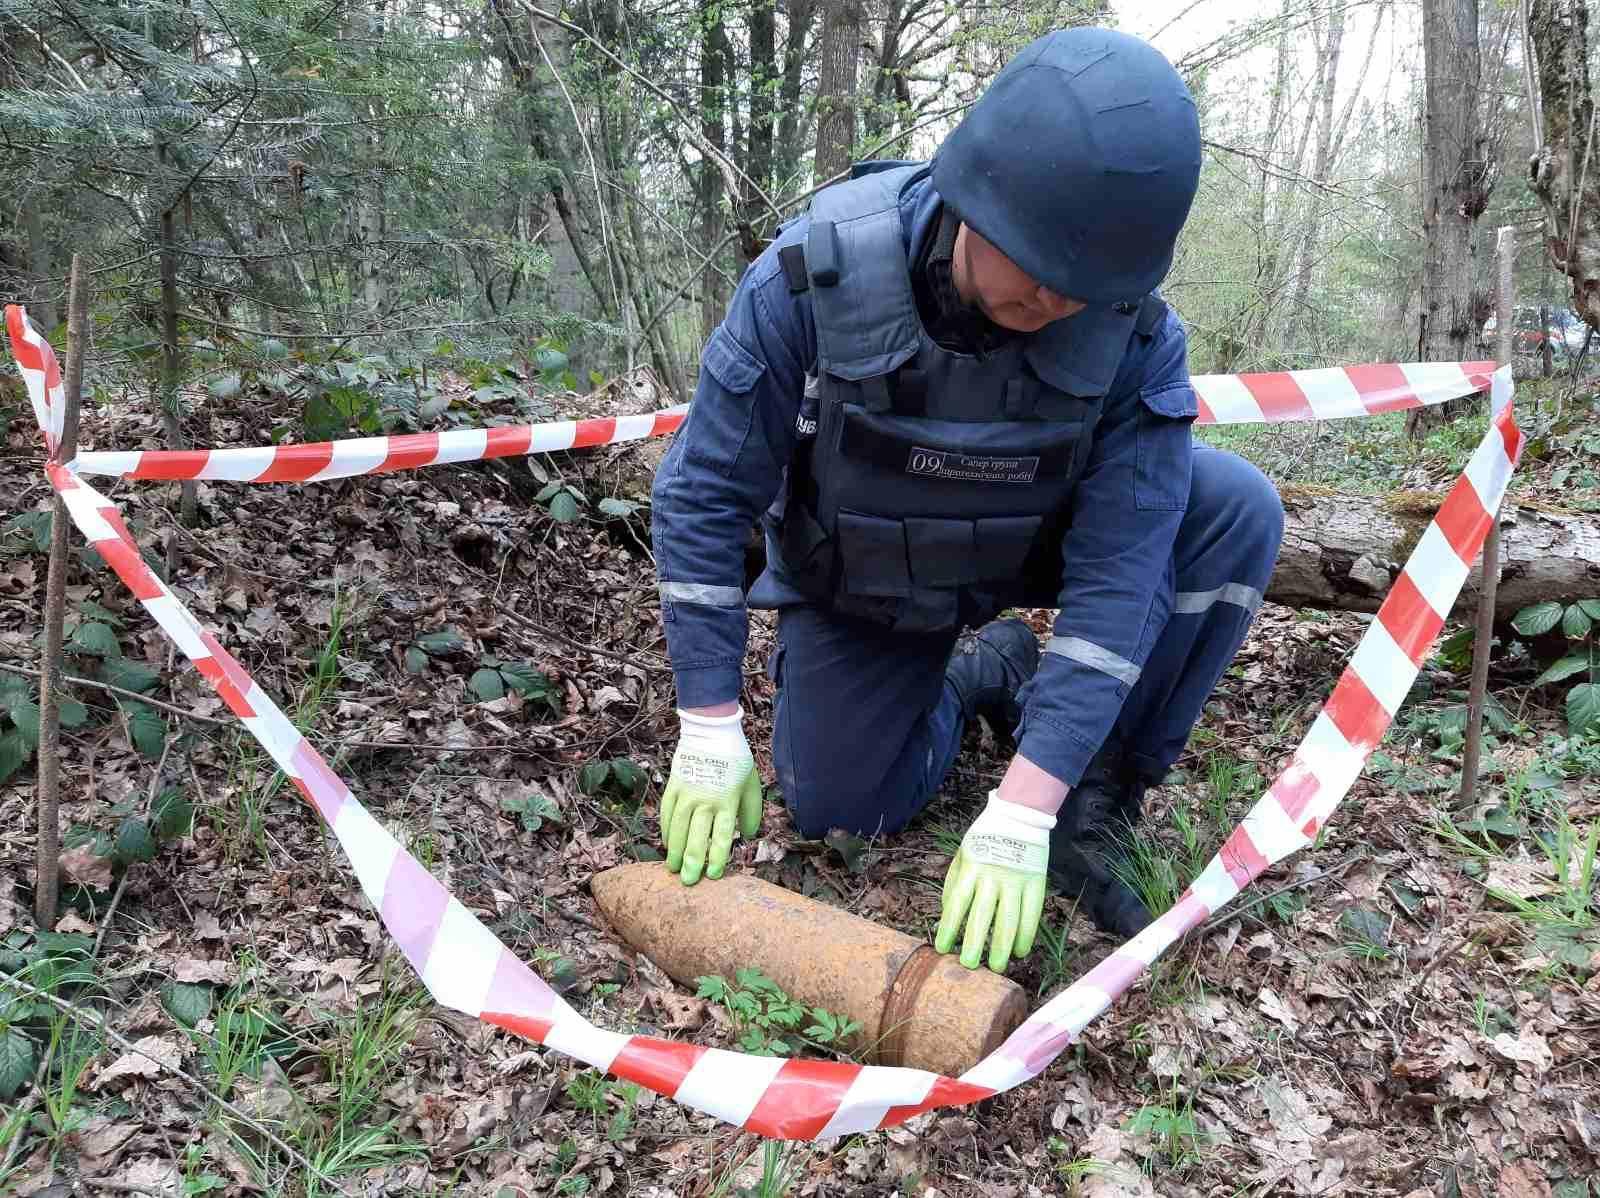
(712, 83)
(1271, 206)
(879, 114)
(171, 355)
(365, 215)
(1327, 84)
(528, 72)
(1564, 177)
(41, 263)
(763, 89)
(1342, 551)
(836, 88)
(792, 121)
(1456, 178)
(267, 285)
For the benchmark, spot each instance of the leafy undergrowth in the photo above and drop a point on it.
(1410, 1007)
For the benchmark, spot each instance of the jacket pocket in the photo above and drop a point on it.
(1165, 450)
(720, 418)
(730, 363)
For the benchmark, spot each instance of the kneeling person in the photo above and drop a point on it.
(949, 390)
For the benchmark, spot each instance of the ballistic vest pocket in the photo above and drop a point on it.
(943, 552)
(874, 553)
(1003, 546)
(958, 553)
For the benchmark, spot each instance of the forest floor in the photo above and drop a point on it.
(1410, 1007)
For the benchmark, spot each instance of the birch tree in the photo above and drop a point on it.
(1563, 173)
(1457, 175)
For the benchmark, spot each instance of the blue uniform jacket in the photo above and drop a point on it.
(727, 461)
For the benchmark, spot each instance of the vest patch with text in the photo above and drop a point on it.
(970, 468)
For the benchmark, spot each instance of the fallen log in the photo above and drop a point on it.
(1343, 551)
(1339, 551)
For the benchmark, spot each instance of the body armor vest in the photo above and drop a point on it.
(939, 485)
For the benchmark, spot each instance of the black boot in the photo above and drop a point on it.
(1089, 847)
(988, 667)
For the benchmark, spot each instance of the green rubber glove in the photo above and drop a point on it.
(713, 791)
(997, 880)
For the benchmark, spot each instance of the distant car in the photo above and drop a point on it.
(1566, 331)
(1573, 330)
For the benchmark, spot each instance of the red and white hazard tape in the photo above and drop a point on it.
(37, 362)
(467, 969)
(1224, 399)
(321, 460)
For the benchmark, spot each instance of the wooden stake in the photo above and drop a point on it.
(47, 886)
(1477, 690)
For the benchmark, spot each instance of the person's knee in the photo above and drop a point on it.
(1246, 500)
(820, 798)
(1261, 509)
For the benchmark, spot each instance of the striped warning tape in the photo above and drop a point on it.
(37, 362)
(1224, 399)
(467, 969)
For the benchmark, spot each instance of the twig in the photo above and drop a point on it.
(170, 708)
(667, 305)
(61, 62)
(1483, 640)
(725, 164)
(1530, 73)
(594, 169)
(122, 883)
(99, 1024)
(1227, 913)
(48, 847)
(544, 630)
(1439, 959)
(413, 747)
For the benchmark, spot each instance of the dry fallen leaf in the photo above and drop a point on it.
(1528, 1047)
(100, 1142)
(1522, 1179)
(1166, 1060)
(150, 1176)
(451, 1128)
(73, 922)
(165, 1053)
(1524, 879)
(193, 970)
(1274, 1008)
(271, 1098)
(1293, 1114)
(82, 866)
(206, 927)
(679, 1012)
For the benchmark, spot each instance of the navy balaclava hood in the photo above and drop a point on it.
(1079, 163)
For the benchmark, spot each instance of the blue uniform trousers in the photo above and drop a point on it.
(865, 729)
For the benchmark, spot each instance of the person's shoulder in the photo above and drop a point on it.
(1160, 334)
(767, 272)
(1156, 355)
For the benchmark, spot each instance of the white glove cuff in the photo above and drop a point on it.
(1027, 816)
(691, 720)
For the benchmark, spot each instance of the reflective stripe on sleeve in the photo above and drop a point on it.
(1075, 648)
(1192, 603)
(701, 592)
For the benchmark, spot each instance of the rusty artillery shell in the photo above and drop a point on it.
(916, 1007)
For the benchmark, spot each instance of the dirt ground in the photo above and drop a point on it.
(1411, 1007)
